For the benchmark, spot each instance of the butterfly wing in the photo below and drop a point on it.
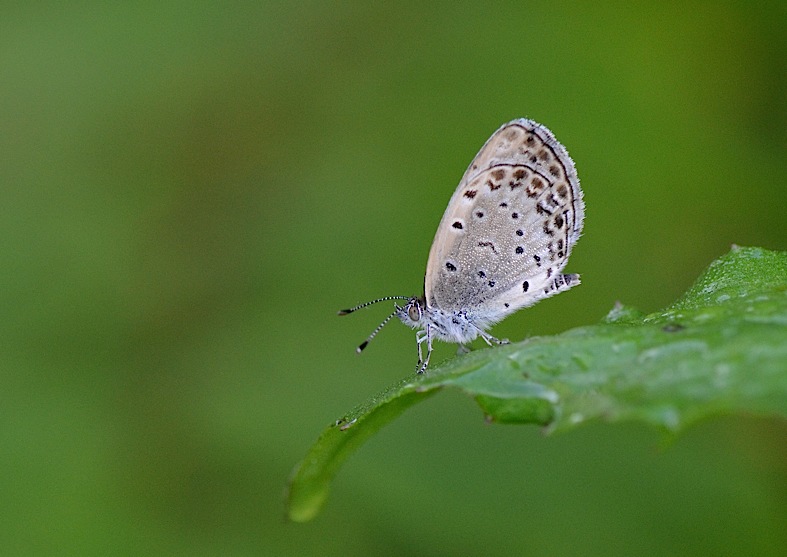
(509, 228)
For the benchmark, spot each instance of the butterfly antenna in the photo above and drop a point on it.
(381, 325)
(374, 333)
(361, 306)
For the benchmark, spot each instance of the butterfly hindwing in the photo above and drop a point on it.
(512, 221)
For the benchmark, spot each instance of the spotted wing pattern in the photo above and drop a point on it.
(509, 228)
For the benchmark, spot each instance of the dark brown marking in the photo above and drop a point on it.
(519, 249)
(547, 230)
(492, 186)
(541, 209)
(481, 274)
(479, 214)
(549, 272)
(498, 174)
(530, 140)
(560, 254)
(470, 194)
(559, 221)
(491, 283)
(554, 170)
(504, 204)
(506, 304)
(458, 225)
(525, 286)
(487, 245)
(520, 232)
(560, 244)
(537, 183)
(515, 215)
(514, 185)
(562, 190)
(543, 154)
(537, 260)
(533, 159)
(519, 173)
(450, 266)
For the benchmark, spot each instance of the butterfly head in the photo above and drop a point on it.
(412, 313)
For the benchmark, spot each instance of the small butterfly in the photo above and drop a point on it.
(504, 239)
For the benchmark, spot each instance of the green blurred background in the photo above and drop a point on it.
(190, 191)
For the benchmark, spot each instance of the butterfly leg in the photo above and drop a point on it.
(490, 340)
(420, 337)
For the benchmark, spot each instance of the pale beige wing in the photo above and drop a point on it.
(513, 219)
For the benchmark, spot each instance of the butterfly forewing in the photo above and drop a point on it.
(509, 227)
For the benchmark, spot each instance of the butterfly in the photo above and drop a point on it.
(502, 244)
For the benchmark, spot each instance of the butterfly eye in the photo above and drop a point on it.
(414, 312)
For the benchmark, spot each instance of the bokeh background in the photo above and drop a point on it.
(190, 190)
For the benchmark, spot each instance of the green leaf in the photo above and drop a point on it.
(720, 348)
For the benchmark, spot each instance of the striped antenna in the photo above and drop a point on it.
(361, 306)
(381, 325)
